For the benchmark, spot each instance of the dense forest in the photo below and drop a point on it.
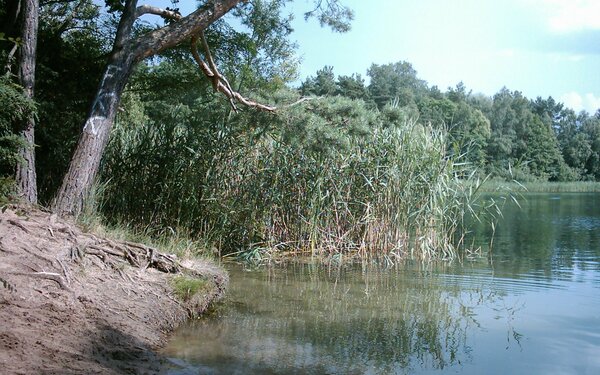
(343, 162)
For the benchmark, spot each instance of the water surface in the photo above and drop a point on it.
(532, 307)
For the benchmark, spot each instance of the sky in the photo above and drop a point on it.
(539, 47)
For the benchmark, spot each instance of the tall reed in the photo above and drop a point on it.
(328, 177)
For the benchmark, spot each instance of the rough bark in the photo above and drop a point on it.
(127, 52)
(25, 174)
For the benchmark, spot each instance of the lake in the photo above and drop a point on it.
(531, 307)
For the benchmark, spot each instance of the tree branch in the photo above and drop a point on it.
(149, 9)
(169, 36)
(211, 61)
(64, 26)
(219, 82)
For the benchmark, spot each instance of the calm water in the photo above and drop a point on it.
(532, 308)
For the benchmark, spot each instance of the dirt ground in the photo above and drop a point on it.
(75, 303)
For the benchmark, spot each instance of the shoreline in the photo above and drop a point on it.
(75, 303)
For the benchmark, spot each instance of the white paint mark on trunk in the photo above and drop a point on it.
(91, 126)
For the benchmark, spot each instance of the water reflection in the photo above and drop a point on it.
(306, 319)
(532, 307)
(551, 236)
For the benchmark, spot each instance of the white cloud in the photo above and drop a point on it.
(588, 102)
(569, 15)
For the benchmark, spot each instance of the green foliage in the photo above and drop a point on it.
(15, 109)
(331, 13)
(322, 84)
(470, 132)
(69, 66)
(507, 136)
(4, 37)
(361, 168)
(395, 83)
(520, 138)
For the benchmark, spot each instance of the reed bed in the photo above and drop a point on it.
(328, 177)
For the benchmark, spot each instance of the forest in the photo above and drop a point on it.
(331, 162)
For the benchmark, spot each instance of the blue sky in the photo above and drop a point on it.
(540, 47)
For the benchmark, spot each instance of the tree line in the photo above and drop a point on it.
(507, 135)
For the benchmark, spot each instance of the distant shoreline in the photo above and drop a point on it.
(542, 187)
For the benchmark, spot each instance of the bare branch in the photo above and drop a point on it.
(207, 71)
(212, 65)
(211, 62)
(149, 9)
(219, 82)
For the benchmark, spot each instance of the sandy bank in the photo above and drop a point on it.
(75, 303)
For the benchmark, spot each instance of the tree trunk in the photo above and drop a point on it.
(96, 130)
(92, 142)
(126, 53)
(25, 175)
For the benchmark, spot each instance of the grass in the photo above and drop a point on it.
(185, 288)
(168, 240)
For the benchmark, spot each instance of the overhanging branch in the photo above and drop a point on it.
(171, 35)
(219, 82)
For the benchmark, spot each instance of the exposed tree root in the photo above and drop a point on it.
(70, 299)
(46, 275)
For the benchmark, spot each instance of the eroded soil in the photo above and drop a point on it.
(75, 303)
